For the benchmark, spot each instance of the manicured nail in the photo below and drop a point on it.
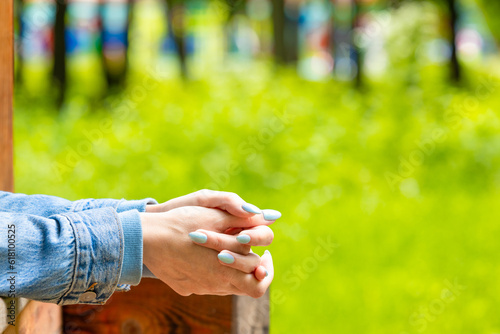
(198, 237)
(267, 274)
(250, 208)
(226, 258)
(271, 214)
(267, 252)
(243, 238)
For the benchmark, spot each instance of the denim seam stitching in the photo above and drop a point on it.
(121, 238)
(76, 234)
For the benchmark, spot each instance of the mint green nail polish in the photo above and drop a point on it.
(243, 238)
(271, 214)
(226, 258)
(267, 274)
(250, 208)
(198, 237)
(267, 252)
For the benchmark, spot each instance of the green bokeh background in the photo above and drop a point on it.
(400, 179)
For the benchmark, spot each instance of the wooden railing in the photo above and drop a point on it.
(151, 307)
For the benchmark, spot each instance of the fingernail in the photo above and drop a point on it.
(267, 252)
(271, 214)
(198, 237)
(250, 208)
(267, 274)
(226, 258)
(243, 238)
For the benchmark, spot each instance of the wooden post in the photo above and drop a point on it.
(152, 307)
(30, 317)
(6, 92)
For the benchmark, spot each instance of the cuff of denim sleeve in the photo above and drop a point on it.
(132, 254)
(99, 255)
(139, 205)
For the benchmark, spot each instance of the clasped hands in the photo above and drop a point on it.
(201, 244)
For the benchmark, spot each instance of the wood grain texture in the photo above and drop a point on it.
(250, 316)
(37, 318)
(152, 307)
(6, 92)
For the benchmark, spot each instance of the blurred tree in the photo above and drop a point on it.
(348, 63)
(115, 69)
(279, 30)
(285, 31)
(292, 31)
(455, 72)
(356, 51)
(176, 27)
(59, 67)
(451, 12)
(19, 6)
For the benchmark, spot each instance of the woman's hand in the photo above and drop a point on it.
(226, 201)
(187, 268)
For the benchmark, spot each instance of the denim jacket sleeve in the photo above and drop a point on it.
(45, 206)
(66, 258)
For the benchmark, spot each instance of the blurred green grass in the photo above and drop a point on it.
(319, 153)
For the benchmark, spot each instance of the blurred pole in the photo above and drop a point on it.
(176, 26)
(279, 31)
(455, 72)
(357, 56)
(59, 70)
(286, 31)
(19, 46)
(114, 39)
(291, 37)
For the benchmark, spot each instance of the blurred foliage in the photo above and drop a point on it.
(320, 153)
(490, 10)
(399, 180)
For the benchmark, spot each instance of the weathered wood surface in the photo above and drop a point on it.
(31, 317)
(6, 92)
(152, 307)
(37, 318)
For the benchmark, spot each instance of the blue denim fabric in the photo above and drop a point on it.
(63, 249)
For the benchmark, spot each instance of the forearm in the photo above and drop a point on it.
(58, 259)
(46, 206)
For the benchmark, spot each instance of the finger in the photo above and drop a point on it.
(233, 222)
(261, 273)
(233, 231)
(267, 263)
(256, 236)
(245, 263)
(226, 201)
(218, 241)
(247, 282)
